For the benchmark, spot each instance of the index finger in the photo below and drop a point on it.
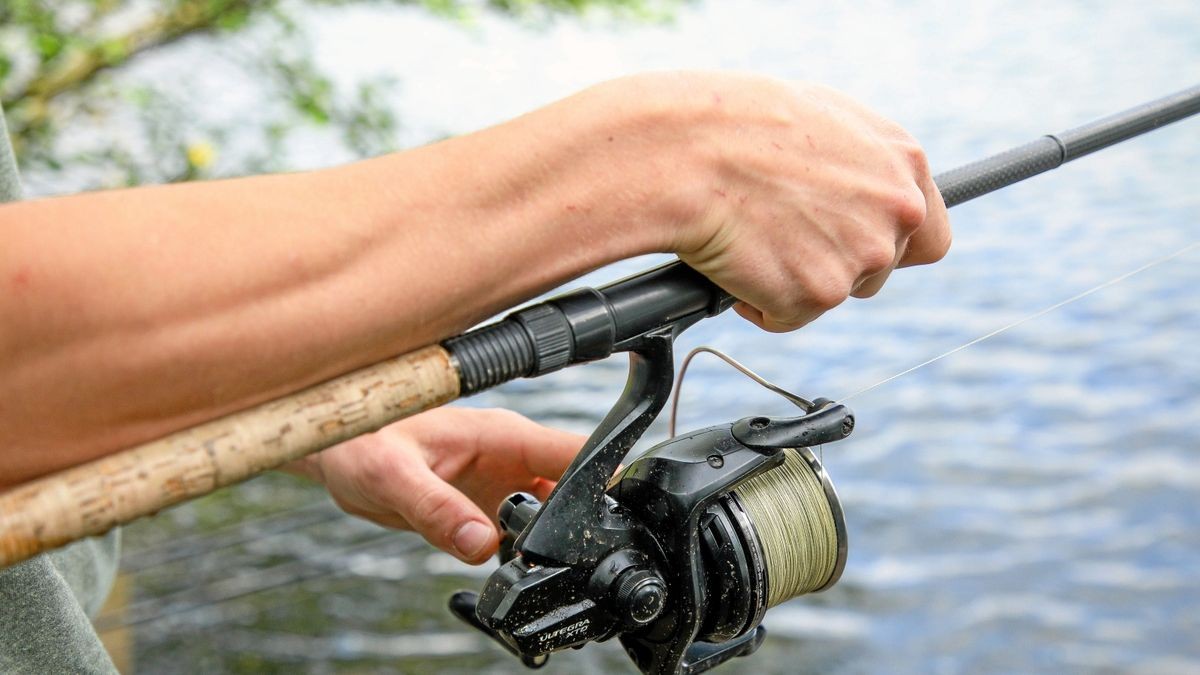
(545, 452)
(931, 241)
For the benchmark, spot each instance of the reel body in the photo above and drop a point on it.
(667, 555)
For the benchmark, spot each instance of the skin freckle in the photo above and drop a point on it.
(21, 278)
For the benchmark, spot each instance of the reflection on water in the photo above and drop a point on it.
(1026, 505)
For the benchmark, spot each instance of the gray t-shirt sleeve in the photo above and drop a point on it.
(43, 625)
(45, 601)
(10, 182)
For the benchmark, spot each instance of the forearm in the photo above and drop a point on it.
(130, 314)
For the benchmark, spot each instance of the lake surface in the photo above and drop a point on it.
(1029, 504)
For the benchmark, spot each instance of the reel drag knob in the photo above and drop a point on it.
(641, 596)
(635, 593)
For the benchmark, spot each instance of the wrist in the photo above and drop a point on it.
(614, 169)
(664, 135)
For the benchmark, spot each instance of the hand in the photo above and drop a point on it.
(790, 197)
(443, 473)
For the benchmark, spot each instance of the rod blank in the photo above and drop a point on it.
(1053, 150)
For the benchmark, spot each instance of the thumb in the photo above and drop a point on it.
(443, 515)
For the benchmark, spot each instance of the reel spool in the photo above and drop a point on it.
(796, 513)
(778, 535)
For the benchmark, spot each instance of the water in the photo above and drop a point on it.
(1027, 505)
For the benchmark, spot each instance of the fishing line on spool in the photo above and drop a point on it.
(800, 525)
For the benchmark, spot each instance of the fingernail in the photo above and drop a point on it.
(471, 537)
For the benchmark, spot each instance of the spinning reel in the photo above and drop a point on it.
(680, 554)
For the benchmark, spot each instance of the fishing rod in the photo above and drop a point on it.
(631, 556)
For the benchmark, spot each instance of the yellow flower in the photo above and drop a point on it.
(201, 154)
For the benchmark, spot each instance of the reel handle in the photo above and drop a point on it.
(462, 604)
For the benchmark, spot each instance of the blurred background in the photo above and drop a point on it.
(1030, 504)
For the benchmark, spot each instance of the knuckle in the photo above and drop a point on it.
(917, 159)
(876, 255)
(786, 320)
(932, 247)
(909, 209)
(502, 416)
(432, 508)
(379, 468)
(826, 291)
(790, 313)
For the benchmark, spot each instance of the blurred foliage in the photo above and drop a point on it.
(87, 108)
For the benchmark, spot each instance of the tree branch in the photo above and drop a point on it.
(29, 107)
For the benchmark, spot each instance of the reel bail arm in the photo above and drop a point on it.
(826, 422)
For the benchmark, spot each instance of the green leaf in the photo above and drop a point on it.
(234, 19)
(49, 45)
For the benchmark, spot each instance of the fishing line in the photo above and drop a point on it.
(1058, 305)
(229, 536)
(789, 517)
(234, 588)
(793, 511)
(795, 399)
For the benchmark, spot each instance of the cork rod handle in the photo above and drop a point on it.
(93, 498)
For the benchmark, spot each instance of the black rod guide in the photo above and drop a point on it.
(591, 323)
